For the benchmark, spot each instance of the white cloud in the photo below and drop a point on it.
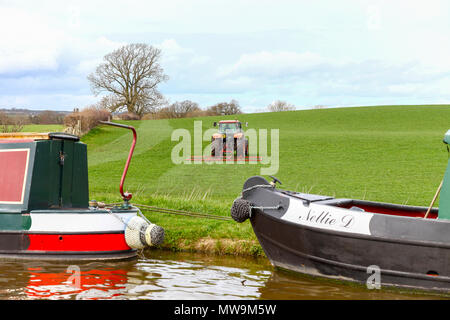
(88, 54)
(27, 42)
(254, 50)
(271, 64)
(175, 55)
(171, 48)
(47, 101)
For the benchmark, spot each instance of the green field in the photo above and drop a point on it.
(43, 128)
(388, 153)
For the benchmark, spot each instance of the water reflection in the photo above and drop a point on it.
(92, 283)
(163, 275)
(197, 280)
(288, 286)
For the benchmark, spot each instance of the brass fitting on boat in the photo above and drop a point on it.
(274, 181)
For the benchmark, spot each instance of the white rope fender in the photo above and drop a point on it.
(140, 232)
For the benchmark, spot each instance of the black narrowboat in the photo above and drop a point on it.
(349, 239)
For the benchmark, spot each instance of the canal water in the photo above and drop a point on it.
(167, 275)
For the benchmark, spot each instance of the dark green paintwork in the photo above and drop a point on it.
(57, 185)
(14, 221)
(45, 182)
(51, 183)
(444, 199)
(80, 184)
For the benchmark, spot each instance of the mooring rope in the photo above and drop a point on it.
(255, 187)
(198, 214)
(258, 186)
(267, 208)
(259, 207)
(179, 212)
(125, 224)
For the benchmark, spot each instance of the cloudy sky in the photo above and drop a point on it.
(334, 53)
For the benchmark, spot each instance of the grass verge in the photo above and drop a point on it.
(389, 153)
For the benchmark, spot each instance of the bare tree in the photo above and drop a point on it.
(181, 109)
(130, 75)
(80, 122)
(49, 117)
(225, 108)
(11, 124)
(279, 105)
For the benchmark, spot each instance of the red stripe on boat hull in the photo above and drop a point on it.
(78, 242)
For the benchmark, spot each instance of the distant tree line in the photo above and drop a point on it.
(80, 122)
(15, 121)
(279, 105)
(47, 117)
(189, 109)
(11, 123)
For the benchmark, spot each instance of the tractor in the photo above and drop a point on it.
(229, 138)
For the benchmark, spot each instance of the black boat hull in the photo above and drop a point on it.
(319, 253)
(403, 261)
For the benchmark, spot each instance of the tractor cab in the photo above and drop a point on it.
(230, 126)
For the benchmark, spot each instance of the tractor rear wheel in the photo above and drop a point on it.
(216, 145)
(246, 147)
(240, 148)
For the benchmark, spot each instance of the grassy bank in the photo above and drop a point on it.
(387, 153)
